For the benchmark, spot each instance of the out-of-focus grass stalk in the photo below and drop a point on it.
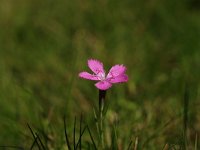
(136, 143)
(102, 94)
(80, 132)
(185, 114)
(96, 120)
(166, 147)
(196, 142)
(74, 135)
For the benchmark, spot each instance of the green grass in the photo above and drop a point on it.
(45, 44)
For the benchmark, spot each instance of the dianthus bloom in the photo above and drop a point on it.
(115, 75)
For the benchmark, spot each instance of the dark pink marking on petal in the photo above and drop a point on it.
(96, 66)
(88, 76)
(103, 85)
(116, 71)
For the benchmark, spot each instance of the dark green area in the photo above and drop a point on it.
(45, 44)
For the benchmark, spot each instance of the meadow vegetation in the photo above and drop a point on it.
(45, 44)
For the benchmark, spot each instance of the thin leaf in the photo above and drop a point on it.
(66, 136)
(74, 134)
(45, 137)
(80, 130)
(95, 115)
(35, 138)
(166, 147)
(185, 114)
(81, 136)
(40, 141)
(129, 146)
(114, 137)
(196, 142)
(91, 138)
(34, 142)
(136, 143)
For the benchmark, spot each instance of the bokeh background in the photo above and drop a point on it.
(45, 44)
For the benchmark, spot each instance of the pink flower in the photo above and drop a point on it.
(115, 75)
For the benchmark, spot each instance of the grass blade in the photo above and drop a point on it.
(114, 137)
(34, 142)
(166, 147)
(80, 131)
(129, 145)
(185, 114)
(74, 133)
(95, 147)
(40, 141)
(66, 136)
(81, 136)
(196, 142)
(35, 137)
(136, 143)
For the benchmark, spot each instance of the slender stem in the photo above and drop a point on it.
(185, 114)
(102, 94)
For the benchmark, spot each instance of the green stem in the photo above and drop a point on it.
(102, 95)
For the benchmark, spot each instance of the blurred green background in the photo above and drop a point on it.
(45, 44)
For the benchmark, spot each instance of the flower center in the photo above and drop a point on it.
(101, 76)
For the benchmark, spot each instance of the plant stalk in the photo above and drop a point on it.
(102, 95)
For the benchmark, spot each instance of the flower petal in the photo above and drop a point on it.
(119, 79)
(103, 85)
(88, 76)
(96, 66)
(116, 71)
